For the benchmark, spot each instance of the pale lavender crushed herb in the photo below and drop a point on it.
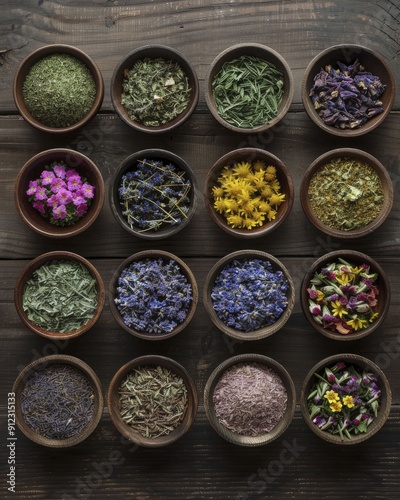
(250, 399)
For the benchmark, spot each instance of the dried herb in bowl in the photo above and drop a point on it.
(153, 295)
(250, 399)
(347, 96)
(154, 194)
(153, 400)
(57, 401)
(155, 91)
(59, 90)
(344, 400)
(61, 296)
(248, 91)
(247, 194)
(346, 194)
(249, 294)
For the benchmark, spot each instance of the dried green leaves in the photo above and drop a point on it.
(346, 194)
(61, 296)
(153, 400)
(248, 91)
(59, 90)
(155, 91)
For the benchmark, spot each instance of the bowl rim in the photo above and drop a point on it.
(239, 439)
(39, 54)
(283, 173)
(259, 48)
(349, 255)
(374, 163)
(309, 108)
(154, 50)
(25, 275)
(360, 361)
(152, 253)
(261, 333)
(128, 164)
(95, 207)
(97, 389)
(125, 430)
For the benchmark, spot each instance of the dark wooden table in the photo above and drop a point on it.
(201, 464)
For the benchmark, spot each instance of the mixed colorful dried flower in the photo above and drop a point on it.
(348, 96)
(154, 194)
(247, 194)
(344, 400)
(61, 194)
(250, 294)
(153, 295)
(343, 297)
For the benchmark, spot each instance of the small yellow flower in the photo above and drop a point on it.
(348, 401)
(271, 170)
(373, 317)
(248, 223)
(344, 278)
(271, 214)
(219, 205)
(275, 185)
(231, 205)
(264, 206)
(336, 406)
(332, 396)
(258, 217)
(242, 169)
(338, 309)
(217, 191)
(320, 295)
(277, 199)
(357, 323)
(258, 165)
(266, 191)
(235, 221)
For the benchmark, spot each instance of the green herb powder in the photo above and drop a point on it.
(61, 296)
(59, 90)
(346, 194)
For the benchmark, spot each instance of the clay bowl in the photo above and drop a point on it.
(32, 170)
(262, 52)
(361, 363)
(234, 437)
(250, 155)
(356, 258)
(40, 364)
(27, 274)
(153, 255)
(134, 435)
(357, 155)
(154, 51)
(347, 54)
(213, 274)
(166, 230)
(39, 54)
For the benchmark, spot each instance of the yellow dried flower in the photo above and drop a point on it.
(242, 169)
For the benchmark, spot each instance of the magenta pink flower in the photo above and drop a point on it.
(87, 190)
(32, 188)
(52, 201)
(47, 177)
(77, 199)
(74, 182)
(64, 196)
(41, 193)
(59, 170)
(60, 212)
(57, 184)
(39, 205)
(81, 209)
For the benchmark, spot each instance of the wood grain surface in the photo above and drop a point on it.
(201, 465)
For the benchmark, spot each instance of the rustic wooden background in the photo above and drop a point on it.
(201, 465)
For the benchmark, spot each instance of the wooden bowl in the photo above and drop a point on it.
(39, 54)
(382, 284)
(27, 273)
(40, 364)
(129, 165)
(262, 52)
(154, 51)
(32, 170)
(249, 155)
(214, 272)
(153, 255)
(125, 429)
(362, 363)
(356, 155)
(240, 439)
(372, 62)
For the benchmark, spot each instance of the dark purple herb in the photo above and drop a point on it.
(249, 294)
(250, 399)
(348, 96)
(154, 194)
(57, 401)
(153, 296)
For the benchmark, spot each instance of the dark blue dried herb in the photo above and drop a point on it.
(347, 97)
(153, 295)
(249, 294)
